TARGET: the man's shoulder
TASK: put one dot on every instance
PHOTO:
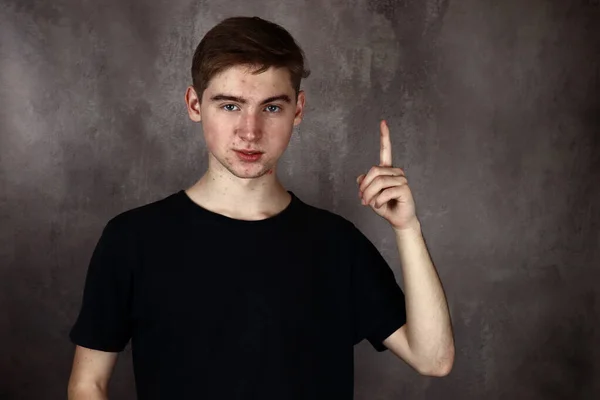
(324, 219)
(146, 215)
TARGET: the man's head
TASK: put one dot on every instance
(246, 76)
(247, 41)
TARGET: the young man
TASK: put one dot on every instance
(235, 288)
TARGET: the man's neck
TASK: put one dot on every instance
(240, 200)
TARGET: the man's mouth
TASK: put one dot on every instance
(249, 152)
(248, 156)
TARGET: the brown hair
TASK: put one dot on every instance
(250, 41)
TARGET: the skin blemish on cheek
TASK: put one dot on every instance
(270, 172)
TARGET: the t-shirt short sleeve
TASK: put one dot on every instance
(104, 321)
(378, 301)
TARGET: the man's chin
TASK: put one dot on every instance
(258, 173)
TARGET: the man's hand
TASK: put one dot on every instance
(386, 190)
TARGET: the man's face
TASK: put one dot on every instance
(243, 111)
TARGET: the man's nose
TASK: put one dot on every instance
(250, 127)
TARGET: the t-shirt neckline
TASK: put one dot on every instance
(223, 219)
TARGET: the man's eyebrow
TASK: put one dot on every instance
(225, 97)
(283, 97)
(221, 97)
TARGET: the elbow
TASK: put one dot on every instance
(439, 371)
(440, 366)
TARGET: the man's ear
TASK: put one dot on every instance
(299, 107)
(193, 102)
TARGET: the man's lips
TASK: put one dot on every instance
(249, 157)
(249, 151)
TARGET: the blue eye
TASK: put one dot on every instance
(273, 109)
(229, 107)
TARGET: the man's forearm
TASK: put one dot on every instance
(429, 329)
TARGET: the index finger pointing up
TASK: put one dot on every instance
(385, 153)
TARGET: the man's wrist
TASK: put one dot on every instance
(414, 227)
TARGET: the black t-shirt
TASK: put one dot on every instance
(219, 308)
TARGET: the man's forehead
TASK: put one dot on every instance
(241, 81)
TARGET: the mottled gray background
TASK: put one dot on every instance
(494, 113)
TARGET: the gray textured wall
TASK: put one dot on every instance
(494, 112)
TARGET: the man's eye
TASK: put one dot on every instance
(229, 107)
(273, 109)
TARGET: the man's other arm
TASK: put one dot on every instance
(426, 342)
(90, 374)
